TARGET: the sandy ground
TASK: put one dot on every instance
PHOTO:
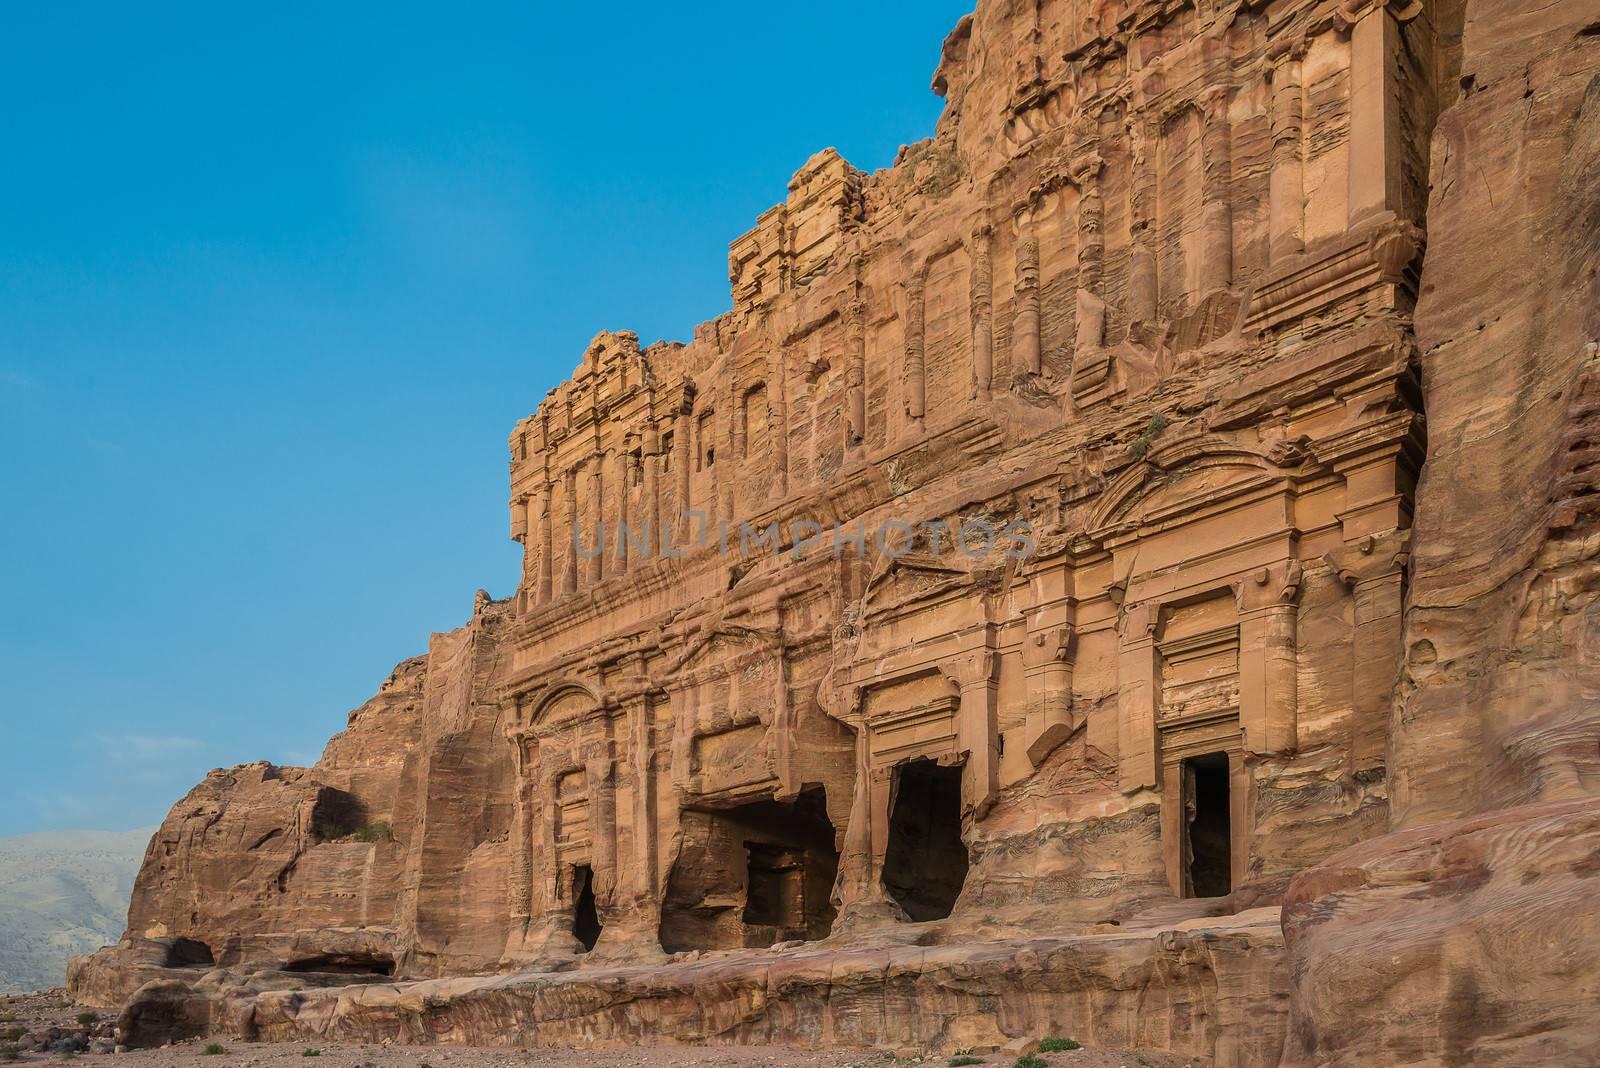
(39, 1012)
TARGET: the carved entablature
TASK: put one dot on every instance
(1145, 291)
(727, 687)
(799, 238)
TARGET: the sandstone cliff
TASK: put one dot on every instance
(1150, 294)
(1474, 940)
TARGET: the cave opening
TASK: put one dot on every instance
(188, 953)
(752, 875)
(585, 913)
(1208, 829)
(343, 964)
(925, 865)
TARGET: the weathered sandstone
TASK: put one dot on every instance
(774, 743)
(1473, 941)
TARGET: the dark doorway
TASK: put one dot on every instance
(1209, 833)
(188, 952)
(585, 917)
(925, 865)
(343, 964)
(752, 875)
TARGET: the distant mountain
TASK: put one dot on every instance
(62, 893)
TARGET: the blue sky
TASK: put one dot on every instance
(275, 282)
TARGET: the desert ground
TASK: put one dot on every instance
(48, 1016)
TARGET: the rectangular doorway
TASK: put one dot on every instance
(1208, 826)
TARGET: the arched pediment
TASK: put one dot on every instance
(1171, 472)
(562, 699)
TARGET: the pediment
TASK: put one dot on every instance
(721, 642)
(911, 577)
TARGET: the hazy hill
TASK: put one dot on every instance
(62, 893)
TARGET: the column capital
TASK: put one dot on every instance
(1402, 10)
(1277, 586)
(971, 670)
(1374, 557)
(1138, 622)
(1052, 646)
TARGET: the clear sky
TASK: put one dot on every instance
(275, 282)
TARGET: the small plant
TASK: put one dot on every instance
(1056, 1045)
(1147, 437)
(312, 1053)
(332, 831)
(1029, 1060)
(373, 832)
(6, 1017)
(960, 1060)
(11, 1034)
(214, 1049)
(87, 1019)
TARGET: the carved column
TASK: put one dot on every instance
(642, 756)
(727, 470)
(1286, 187)
(982, 317)
(594, 525)
(1374, 569)
(543, 583)
(778, 421)
(521, 507)
(519, 519)
(1026, 355)
(1268, 706)
(1142, 292)
(1216, 265)
(1376, 140)
(1138, 691)
(547, 882)
(600, 782)
(520, 888)
(655, 535)
(622, 475)
(741, 427)
(977, 727)
(1091, 254)
(866, 836)
(531, 559)
(1047, 668)
(913, 376)
(855, 421)
(569, 574)
(681, 523)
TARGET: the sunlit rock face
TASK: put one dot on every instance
(1023, 583)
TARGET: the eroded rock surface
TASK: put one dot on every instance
(975, 631)
(1489, 951)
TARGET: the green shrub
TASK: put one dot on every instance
(963, 1059)
(1142, 443)
(312, 1053)
(6, 1017)
(1029, 1060)
(87, 1019)
(215, 1049)
(330, 831)
(1056, 1045)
